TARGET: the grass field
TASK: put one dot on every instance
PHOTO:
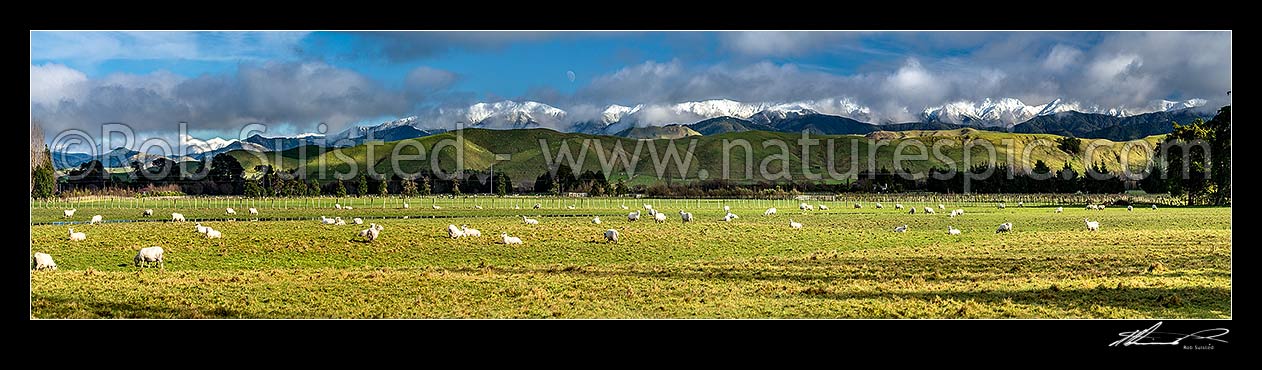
(845, 263)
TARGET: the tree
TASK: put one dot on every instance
(425, 188)
(1188, 155)
(44, 181)
(501, 183)
(1220, 155)
(253, 189)
(362, 187)
(409, 188)
(543, 183)
(383, 187)
(313, 188)
(455, 185)
(225, 168)
(1069, 144)
(340, 189)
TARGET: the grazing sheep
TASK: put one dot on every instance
(437, 206)
(213, 234)
(357, 221)
(823, 207)
(1060, 209)
(596, 220)
(727, 208)
(254, 211)
(898, 206)
(1002, 206)
(624, 206)
(929, 210)
(879, 206)
(327, 221)
(405, 205)
(569, 207)
(686, 216)
(912, 211)
(68, 213)
(529, 221)
(1130, 208)
(633, 216)
(769, 212)
(149, 255)
(472, 233)
(42, 261)
(348, 208)
(95, 220)
(1020, 204)
(941, 206)
(951, 230)
(477, 207)
(1092, 225)
(538, 205)
(648, 207)
(858, 206)
(148, 213)
(177, 217)
(659, 217)
(510, 239)
(653, 212)
(74, 237)
(795, 225)
(729, 217)
(337, 205)
(339, 221)
(805, 207)
(1004, 227)
(368, 231)
(954, 213)
(611, 235)
(454, 232)
(901, 229)
(1154, 207)
(201, 229)
(1100, 207)
(1090, 207)
(231, 211)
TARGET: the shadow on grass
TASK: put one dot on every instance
(95, 308)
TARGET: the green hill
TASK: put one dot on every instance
(528, 159)
(658, 132)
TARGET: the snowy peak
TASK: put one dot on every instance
(1003, 112)
(511, 115)
(195, 145)
(718, 108)
(614, 113)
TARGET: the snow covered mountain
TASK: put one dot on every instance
(512, 115)
(1008, 112)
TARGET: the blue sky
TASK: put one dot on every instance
(219, 81)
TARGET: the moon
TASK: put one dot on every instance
(570, 75)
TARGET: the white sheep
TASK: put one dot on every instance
(369, 230)
(95, 220)
(806, 207)
(1002, 206)
(254, 211)
(405, 205)
(633, 216)
(42, 261)
(327, 221)
(823, 207)
(472, 233)
(951, 230)
(348, 208)
(624, 206)
(213, 234)
(1004, 227)
(1092, 225)
(1130, 208)
(685, 216)
(437, 206)
(569, 207)
(337, 205)
(611, 235)
(729, 217)
(1020, 204)
(148, 213)
(357, 221)
(177, 217)
(68, 213)
(74, 237)
(901, 229)
(653, 212)
(769, 212)
(231, 211)
(338, 221)
(858, 206)
(1154, 207)
(201, 229)
(648, 207)
(659, 217)
(538, 205)
(727, 208)
(1090, 207)
(941, 206)
(795, 225)
(1100, 207)
(477, 207)
(1060, 209)
(510, 239)
(879, 206)
(596, 220)
(454, 232)
(898, 206)
(149, 255)
(529, 221)
(929, 210)
(954, 213)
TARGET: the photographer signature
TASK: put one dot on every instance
(1150, 336)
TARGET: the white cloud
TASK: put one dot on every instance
(52, 83)
(1061, 57)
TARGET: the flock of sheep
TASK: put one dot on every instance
(153, 255)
